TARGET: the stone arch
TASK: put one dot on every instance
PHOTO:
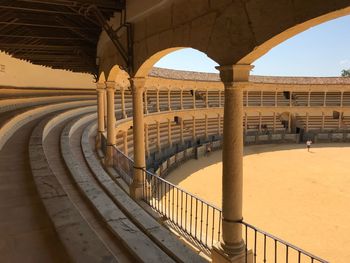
(146, 66)
(101, 78)
(289, 33)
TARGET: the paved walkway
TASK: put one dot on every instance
(26, 234)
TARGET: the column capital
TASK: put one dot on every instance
(138, 83)
(235, 73)
(111, 85)
(100, 86)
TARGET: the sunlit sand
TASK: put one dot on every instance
(302, 197)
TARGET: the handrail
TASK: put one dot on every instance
(200, 222)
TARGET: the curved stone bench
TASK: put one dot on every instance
(159, 234)
(138, 244)
(79, 240)
(19, 120)
(19, 103)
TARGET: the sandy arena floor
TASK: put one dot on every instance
(302, 197)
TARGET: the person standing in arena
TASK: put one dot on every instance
(308, 144)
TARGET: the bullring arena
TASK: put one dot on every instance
(158, 165)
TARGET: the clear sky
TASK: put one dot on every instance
(320, 51)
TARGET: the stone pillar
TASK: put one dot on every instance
(159, 148)
(246, 123)
(101, 90)
(219, 124)
(105, 103)
(219, 98)
(146, 140)
(274, 122)
(158, 106)
(247, 98)
(309, 98)
(276, 98)
(136, 188)
(206, 127)
(260, 121)
(232, 246)
(323, 119)
(324, 99)
(181, 100)
(125, 143)
(340, 120)
(322, 124)
(207, 99)
(193, 128)
(290, 98)
(169, 99)
(289, 122)
(122, 94)
(341, 98)
(307, 122)
(181, 131)
(111, 85)
(170, 141)
(261, 98)
(145, 103)
(194, 99)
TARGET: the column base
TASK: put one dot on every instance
(218, 255)
(136, 191)
(98, 140)
(109, 156)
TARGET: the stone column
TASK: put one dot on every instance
(158, 137)
(274, 122)
(232, 246)
(246, 123)
(276, 98)
(194, 99)
(170, 142)
(260, 121)
(206, 127)
(101, 90)
(308, 98)
(181, 131)
(105, 104)
(146, 140)
(219, 98)
(122, 94)
(219, 124)
(290, 98)
(145, 103)
(169, 99)
(340, 120)
(247, 98)
(307, 122)
(125, 143)
(207, 99)
(325, 99)
(111, 85)
(289, 122)
(341, 98)
(181, 100)
(136, 188)
(323, 119)
(262, 98)
(157, 100)
(193, 128)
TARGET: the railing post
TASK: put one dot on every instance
(101, 90)
(232, 247)
(111, 85)
(136, 187)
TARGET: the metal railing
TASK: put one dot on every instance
(200, 222)
(124, 165)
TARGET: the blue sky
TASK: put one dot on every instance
(320, 51)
